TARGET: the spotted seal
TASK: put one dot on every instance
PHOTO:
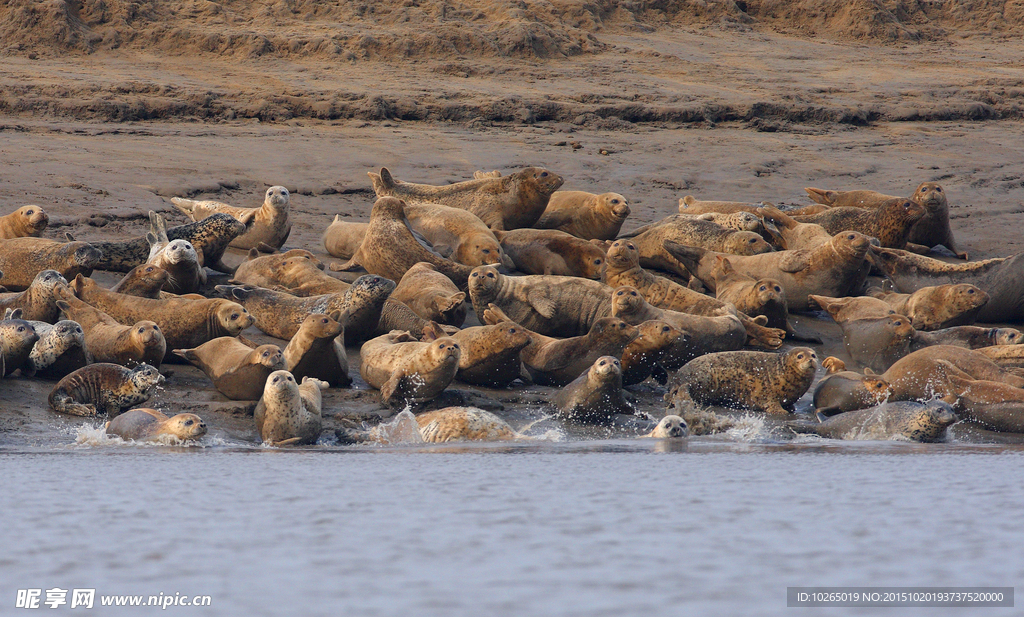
(464, 424)
(269, 224)
(288, 413)
(104, 388)
(151, 425)
(37, 302)
(595, 396)
(642, 355)
(60, 350)
(17, 338)
(698, 233)
(237, 371)
(925, 422)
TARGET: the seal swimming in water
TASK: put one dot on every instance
(925, 422)
(151, 425)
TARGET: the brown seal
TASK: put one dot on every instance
(464, 424)
(754, 297)
(151, 425)
(286, 269)
(237, 371)
(937, 307)
(390, 248)
(109, 341)
(923, 374)
(1006, 356)
(642, 355)
(269, 224)
(279, 314)
(995, 405)
(697, 233)
(595, 396)
(184, 322)
(877, 342)
(60, 350)
(669, 427)
(843, 390)
(490, 354)
(316, 350)
(556, 362)
(17, 339)
(145, 281)
(342, 238)
(456, 234)
(179, 259)
(508, 202)
(999, 278)
(692, 205)
(890, 223)
(547, 305)
(585, 215)
(756, 380)
(971, 337)
(624, 269)
(830, 269)
(37, 302)
(848, 309)
(104, 388)
(407, 371)
(791, 234)
(431, 295)
(924, 422)
(289, 414)
(21, 259)
(24, 222)
(549, 251)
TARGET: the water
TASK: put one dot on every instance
(620, 527)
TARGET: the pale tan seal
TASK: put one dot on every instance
(342, 238)
(112, 342)
(754, 380)
(890, 223)
(669, 427)
(151, 425)
(60, 350)
(1006, 356)
(37, 302)
(24, 222)
(850, 308)
(642, 355)
(754, 297)
(692, 205)
(316, 350)
(995, 405)
(456, 234)
(104, 388)
(830, 269)
(431, 295)
(971, 337)
(185, 323)
(464, 424)
(923, 374)
(289, 414)
(17, 338)
(585, 215)
(877, 343)
(287, 269)
(937, 307)
(736, 221)
(595, 396)
(491, 354)
(21, 259)
(503, 203)
(269, 224)
(390, 248)
(791, 234)
(407, 371)
(549, 251)
(924, 422)
(145, 281)
(237, 371)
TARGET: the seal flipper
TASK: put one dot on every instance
(390, 387)
(349, 266)
(821, 196)
(542, 303)
(554, 220)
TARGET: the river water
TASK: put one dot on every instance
(705, 526)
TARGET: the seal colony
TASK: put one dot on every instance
(504, 282)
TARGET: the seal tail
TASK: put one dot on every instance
(821, 196)
(494, 315)
(186, 206)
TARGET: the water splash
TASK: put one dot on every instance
(90, 436)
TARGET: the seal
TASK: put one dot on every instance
(924, 374)
(37, 302)
(669, 427)
(288, 269)
(697, 233)
(890, 222)
(17, 338)
(279, 314)
(995, 405)
(692, 205)
(829, 270)
(151, 425)
(848, 309)
(456, 234)
(999, 278)
(145, 281)
(104, 388)
(316, 351)
(503, 203)
(1006, 356)
(491, 354)
(937, 307)
(841, 390)
(464, 424)
(26, 221)
(237, 371)
(407, 371)
(184, 322)
(22, 259)
(111, 342)
(342, 238)
(210, 237)
(736, 221)
(548, 305)
(924, 422)
(60, 350)
(877, 342)
(754, 297)
(624, 269)
(585, 215)
(269, 224)
(549, 251)
(288, 414)
(932, 230)
(431, 295)
(181, 262)
(557, 362)
(971, 337)
(792, 234)
(390, 248)
(642, 355)
(754, 380)
(596, 396)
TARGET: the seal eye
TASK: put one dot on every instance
(29, 213)
(441, 346)
(511, 330)
(156, 328)
(970, 292)
(276, 379)
(234, 316)
(778, 289)
(618, 293)
(616, 363)
(752, 240)
(666, 329)
(189, 422)
(266, 353)
(544, 174)
(938, 189)
(597, 262)
(487, 251)
(141, 330)
(762, 288)
(490, 275)
(632, 293)
(324, 321)
(21, 328)
(631, 247)
(603, 363)
(615, 202)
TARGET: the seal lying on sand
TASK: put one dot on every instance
(585, 215)
(842, 390)
(24, 222)
(237, 371)
(104, 388)
(269, 224)
(549, 251)
(22, 259)
(406, 370)
(109, 341)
